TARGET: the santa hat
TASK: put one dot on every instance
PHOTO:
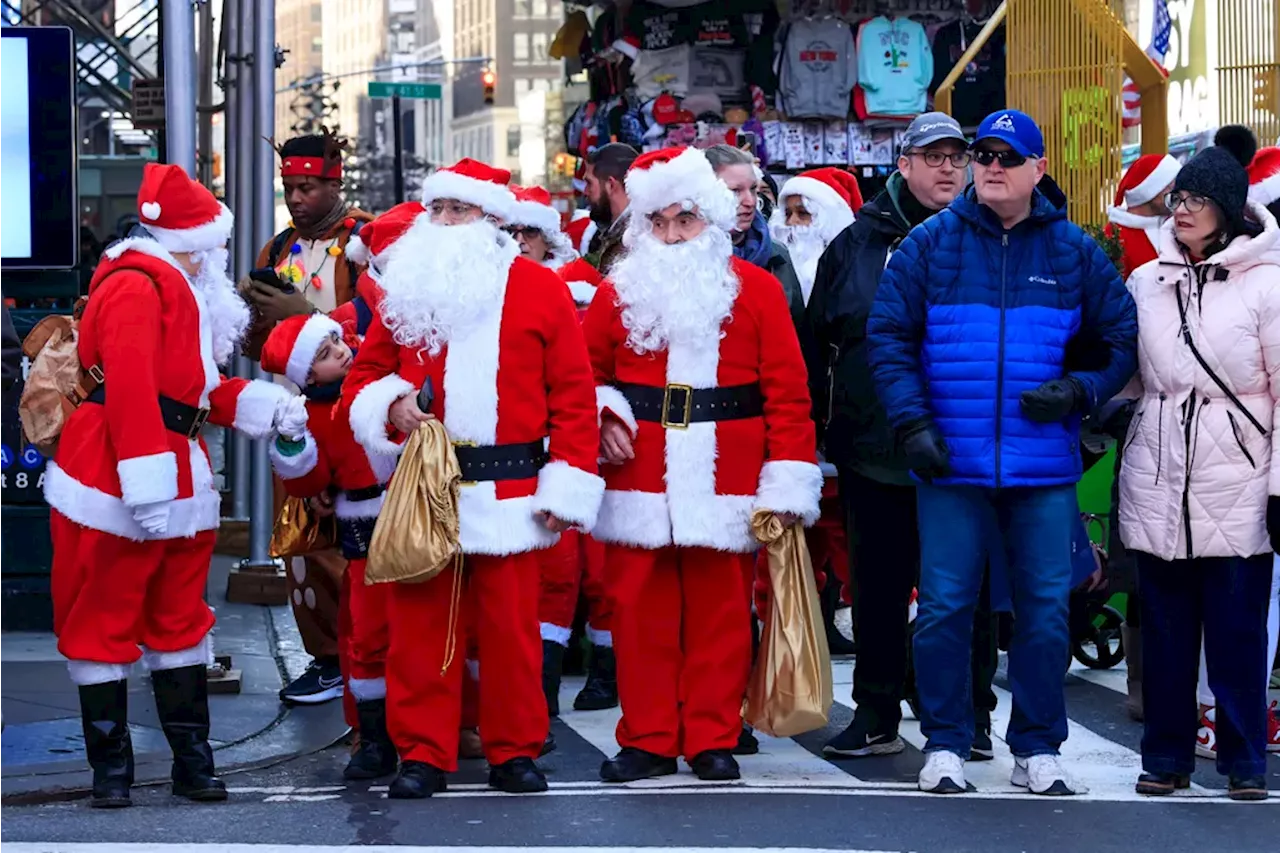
(374, 237)
(1145, 179)
(1264, 176)
(581, 230)
(659, 179)
(471, 182)
(582, 278)
(180, 213)
(832, 194)
(291, 347)
(532, 208)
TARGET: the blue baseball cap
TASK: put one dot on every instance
(1016, 128)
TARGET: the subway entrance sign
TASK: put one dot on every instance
(427, 91)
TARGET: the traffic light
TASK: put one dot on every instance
(488, 79)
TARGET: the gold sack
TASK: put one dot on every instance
(299, 530)
(416, 536)
(790, 690)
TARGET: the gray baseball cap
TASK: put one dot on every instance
(928, 128)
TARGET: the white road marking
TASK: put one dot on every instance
(113, 847)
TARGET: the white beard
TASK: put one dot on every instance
(678, 293)
(440, 279)
(228, 312)
(806, 245)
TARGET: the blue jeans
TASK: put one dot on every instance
(1035, 527)
(1227, 597)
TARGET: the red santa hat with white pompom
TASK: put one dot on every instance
(1264, 176)
(377, 236)
(291, 347)
(181, 214)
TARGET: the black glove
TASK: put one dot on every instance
(925, 451)
(1273, 522)
(1054, 400)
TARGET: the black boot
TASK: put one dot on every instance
(104, 714)
(830, 598)
(601, 690)
(182, 702)
(715, 765)
(375, 755)
(632, 764)
(552, 664)
(417, 781)
(518, 776)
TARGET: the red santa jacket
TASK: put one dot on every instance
(520, 375)
(149, 330)
(1139, 236)
(697, 486)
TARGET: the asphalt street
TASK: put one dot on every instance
(790, 798)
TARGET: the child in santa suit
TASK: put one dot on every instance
(1140, 208)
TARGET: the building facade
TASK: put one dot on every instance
(300, 32)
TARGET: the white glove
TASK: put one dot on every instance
(291, 418)
(154, 518)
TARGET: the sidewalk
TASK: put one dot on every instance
(42, 748)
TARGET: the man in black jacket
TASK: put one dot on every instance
(875, 483)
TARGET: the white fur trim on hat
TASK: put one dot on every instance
(357, 252)
(530, 213)
(1151, 186)
(1125, 217)
(313, 333)
(686, 177)
(582, 291)
(1265, 191)
(202, 238)
(833, 213)
(494, 199)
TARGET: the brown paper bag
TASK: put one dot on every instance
(416, 536)
(299, 530)
(790, 690)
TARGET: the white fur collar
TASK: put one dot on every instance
(1122, 216)
(144, 246)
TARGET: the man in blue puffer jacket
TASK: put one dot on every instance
(967, 342)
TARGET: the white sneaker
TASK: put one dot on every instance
(1042, 774)
(943, 773)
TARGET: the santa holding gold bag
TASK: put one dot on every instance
(498, 339)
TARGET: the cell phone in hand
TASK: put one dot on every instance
(747, 140)
(269, 277)
(426, 396)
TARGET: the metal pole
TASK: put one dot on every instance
(179, 34)
(263, 194)
(204, 118)
(239, 104)
(398, 148)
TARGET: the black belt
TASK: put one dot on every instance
(177, 417)
(490, 462)
(354, 536)
(677, 406)
(368, 493)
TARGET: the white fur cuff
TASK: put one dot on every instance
(256, 407)
(569, 493)
(148, 479)
(787, 486)
(368, 689)
(369, 413)
(200, 653)
(86, 673)
(300, 464)
(611, 400)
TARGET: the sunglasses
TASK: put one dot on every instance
(524, 231)
(1009, 159)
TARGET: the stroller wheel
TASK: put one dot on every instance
(1101, 646)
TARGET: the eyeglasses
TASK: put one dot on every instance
(525, 231)
(1193, 203)
(456, 209)
(1009, 159)
(934, 159)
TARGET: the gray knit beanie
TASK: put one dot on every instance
(1218, 173)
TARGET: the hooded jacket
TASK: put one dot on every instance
(1197, 466)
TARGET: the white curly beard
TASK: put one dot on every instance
(228, 312)
(805, 243)
(679, 293)
(437, 279)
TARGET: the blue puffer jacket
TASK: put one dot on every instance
(968, 316)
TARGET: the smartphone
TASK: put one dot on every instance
(269, 277)
(426, 396)
(747, 140)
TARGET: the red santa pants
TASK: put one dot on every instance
(575, 564)
(682, 637)
(112, 597)
(424, 697)
(367, 635)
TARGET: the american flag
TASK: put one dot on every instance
(1160, 29)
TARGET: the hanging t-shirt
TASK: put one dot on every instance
(650, 27)
(981, 89)
(895, 65)
(817, 68)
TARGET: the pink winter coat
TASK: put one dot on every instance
(1197, 470)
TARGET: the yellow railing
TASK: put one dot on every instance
(1248, 66)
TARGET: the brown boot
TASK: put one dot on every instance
(1132, 640)
(469, 744)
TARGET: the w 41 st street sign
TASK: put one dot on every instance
(428, 91)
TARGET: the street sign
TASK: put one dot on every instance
(429, 91)
(148, 104)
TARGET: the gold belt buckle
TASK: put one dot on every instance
(683, 423)
(202, 415)
(461, 443)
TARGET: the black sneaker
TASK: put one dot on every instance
(856, 742)
(982, 748)
(321, 682)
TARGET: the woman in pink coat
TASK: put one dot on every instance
(1198, 489)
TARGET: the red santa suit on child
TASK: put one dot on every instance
(690, 357)
(497, 337)
(1145, 180)
(135, 511)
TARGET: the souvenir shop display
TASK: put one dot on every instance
(815, 82)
